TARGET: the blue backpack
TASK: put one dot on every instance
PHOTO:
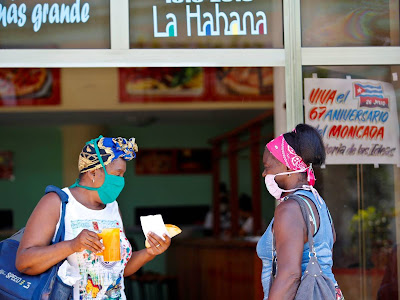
(46, 286)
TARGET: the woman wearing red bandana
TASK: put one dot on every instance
(288, 162)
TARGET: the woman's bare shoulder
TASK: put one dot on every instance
(288, 216)
(43, 220)
(287, 208)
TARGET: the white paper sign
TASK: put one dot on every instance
(153, 223)
(356, 118)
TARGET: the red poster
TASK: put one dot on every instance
(29, 86)
(6, 165)
(174, 161)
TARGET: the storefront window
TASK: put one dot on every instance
(60, 24)
(208, 24)
(350, 23)
(365, 211)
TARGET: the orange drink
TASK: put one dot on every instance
(111, 243)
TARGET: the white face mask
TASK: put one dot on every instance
(273, 188)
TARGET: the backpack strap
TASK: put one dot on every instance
(312, 214)
(307, 219)
(64, 200)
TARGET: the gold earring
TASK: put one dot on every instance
(93, 180)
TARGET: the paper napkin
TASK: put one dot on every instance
(153, 223)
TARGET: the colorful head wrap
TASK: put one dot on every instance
(109, 148)
(282, 151)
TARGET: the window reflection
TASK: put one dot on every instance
(350, 23)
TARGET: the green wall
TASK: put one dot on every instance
(37, 157)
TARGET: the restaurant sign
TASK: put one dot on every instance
(60, 13)
(214, 22)
(356, 118)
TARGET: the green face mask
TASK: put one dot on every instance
(112, 185)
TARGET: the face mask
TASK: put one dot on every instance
(112, 186)
(273, 188)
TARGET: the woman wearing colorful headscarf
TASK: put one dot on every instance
(91, 208)
(288, 161)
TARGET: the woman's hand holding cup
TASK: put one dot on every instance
(88, 240)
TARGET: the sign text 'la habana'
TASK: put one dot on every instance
(211, 23)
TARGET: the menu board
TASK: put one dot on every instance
(193, 84)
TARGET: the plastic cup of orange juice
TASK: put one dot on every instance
(111, 243)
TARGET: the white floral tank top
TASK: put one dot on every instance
(100, 280)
